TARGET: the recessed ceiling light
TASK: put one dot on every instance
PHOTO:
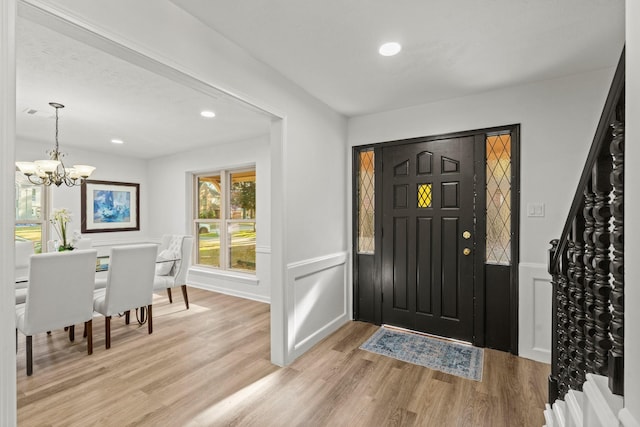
(207, 114)
(390, 49)
(117, 141)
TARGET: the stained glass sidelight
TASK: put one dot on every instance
(498, 250)
(366, 203)
(424, 195)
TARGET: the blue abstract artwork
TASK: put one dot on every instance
(111, 206)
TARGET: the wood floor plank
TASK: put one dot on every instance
(209, 366)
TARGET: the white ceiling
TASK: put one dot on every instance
(451, 48)
(106, 98)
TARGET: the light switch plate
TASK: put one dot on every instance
(535, 210)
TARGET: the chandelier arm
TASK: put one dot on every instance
(42, 181)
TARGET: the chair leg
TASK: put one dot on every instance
(127, 317)
(72, 333)
(169, 293)
(149, 319)
(184, 294)
(29, 356)
(107, 332)
(88, 330)
(84, 330)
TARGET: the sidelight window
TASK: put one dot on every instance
(366, 202)
(498, 164)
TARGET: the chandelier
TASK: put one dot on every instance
(53, 171)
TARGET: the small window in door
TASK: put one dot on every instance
(498, 249)
(366, 202)
(424, 195)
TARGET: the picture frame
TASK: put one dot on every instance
(109, 206)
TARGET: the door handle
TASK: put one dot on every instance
(466, 251)
(466, 235)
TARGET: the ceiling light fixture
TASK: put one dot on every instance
(52, 171)
(117, 141)
(390, 49)
(208, 114)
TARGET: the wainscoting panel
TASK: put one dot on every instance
(256, 287)
(535, 312)
(320, 295)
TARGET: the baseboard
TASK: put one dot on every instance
(304, 345)
(227, 291)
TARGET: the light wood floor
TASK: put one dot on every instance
(209, 366)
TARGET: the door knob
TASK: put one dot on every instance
(466, 251)
(466, 235)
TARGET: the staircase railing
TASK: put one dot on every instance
(587, 263)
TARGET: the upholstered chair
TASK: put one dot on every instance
(60, 294)
(171, 274)
(23, 252)
(83, 243)
(129, 284)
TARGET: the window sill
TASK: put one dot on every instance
(234, 276)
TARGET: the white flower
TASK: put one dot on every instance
(59, 219)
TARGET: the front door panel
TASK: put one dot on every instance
(427, 198)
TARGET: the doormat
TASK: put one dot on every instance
(453, 358)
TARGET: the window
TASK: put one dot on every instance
(366, 202)
(30, 212)
(498, 165)
(225, 220)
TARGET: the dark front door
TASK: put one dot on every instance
(428, 236)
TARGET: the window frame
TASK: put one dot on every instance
(223, 222)
(44, 208)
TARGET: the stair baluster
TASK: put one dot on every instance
(616, 365)
(586, 274)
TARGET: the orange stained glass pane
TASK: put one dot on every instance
(366, 202)
(498, 170)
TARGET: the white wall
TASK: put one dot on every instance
(108, 168)
(309, 163)
(170, 198)
(7, 211)
(631, 413)
(558, 119)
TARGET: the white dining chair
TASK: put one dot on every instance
(129, 284)
(176, 247)
(60, 294)
(23, 252)
(83, 243)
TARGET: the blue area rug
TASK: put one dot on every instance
(445, 356)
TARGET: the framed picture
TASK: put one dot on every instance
(109, 206)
